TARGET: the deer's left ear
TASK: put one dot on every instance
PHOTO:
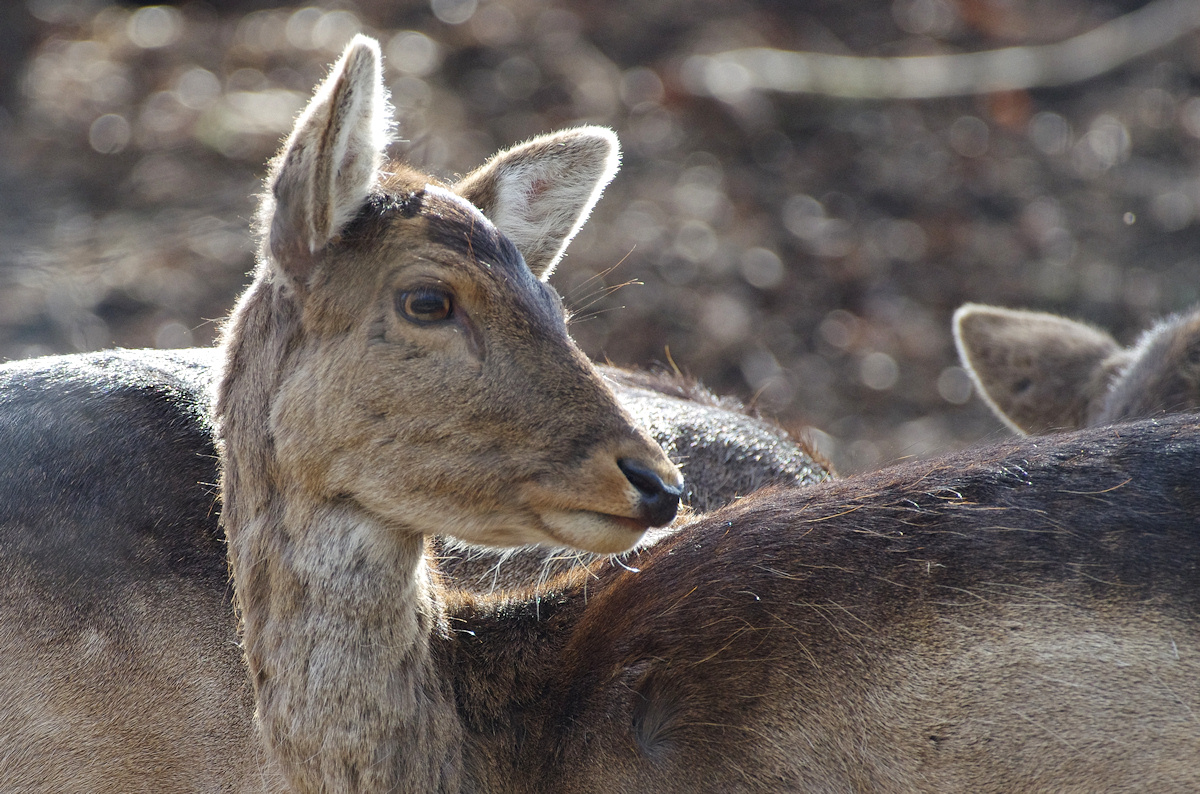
(541, 192)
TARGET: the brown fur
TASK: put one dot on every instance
(83, 709)
(1018, 618)
(1039, 372)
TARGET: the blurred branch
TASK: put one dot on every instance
(1077, 59)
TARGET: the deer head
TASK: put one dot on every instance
(1041, 372)
(422, 366)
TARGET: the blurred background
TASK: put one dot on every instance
(802, 252)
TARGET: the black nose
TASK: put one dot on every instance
(659, 500)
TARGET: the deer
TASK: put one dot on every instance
(1040, 372)
(1017, 616)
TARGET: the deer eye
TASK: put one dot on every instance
(424, 306)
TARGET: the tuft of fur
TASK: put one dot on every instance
(1160, 374)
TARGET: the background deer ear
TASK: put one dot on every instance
(541, 192)
(1037, 372)
(330, 162)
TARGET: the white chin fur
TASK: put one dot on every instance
(576, 529)
(591, 532)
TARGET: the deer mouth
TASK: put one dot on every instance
(632, 524)
(589, 530)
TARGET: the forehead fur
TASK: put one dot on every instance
(459, 225)
(450, 221)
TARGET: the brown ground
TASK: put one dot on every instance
(807, 252)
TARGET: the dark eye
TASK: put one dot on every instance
(425, 305)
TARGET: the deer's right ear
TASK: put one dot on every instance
(1037, 371)
(331, 160)
(541, 192)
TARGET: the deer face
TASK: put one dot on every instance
(429, 377)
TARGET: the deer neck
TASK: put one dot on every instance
(338, 611)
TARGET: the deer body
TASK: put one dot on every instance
(1016, 618)
(986, 622)
(118, 639)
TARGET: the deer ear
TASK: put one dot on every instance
(541, 192)
(1037, 372)
(330, 162)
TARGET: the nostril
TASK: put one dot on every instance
(659, 500)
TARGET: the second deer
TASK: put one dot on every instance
(1040, 372)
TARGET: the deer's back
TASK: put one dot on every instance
(117, 630)
(108, 467)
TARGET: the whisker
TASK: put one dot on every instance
(599, 275)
